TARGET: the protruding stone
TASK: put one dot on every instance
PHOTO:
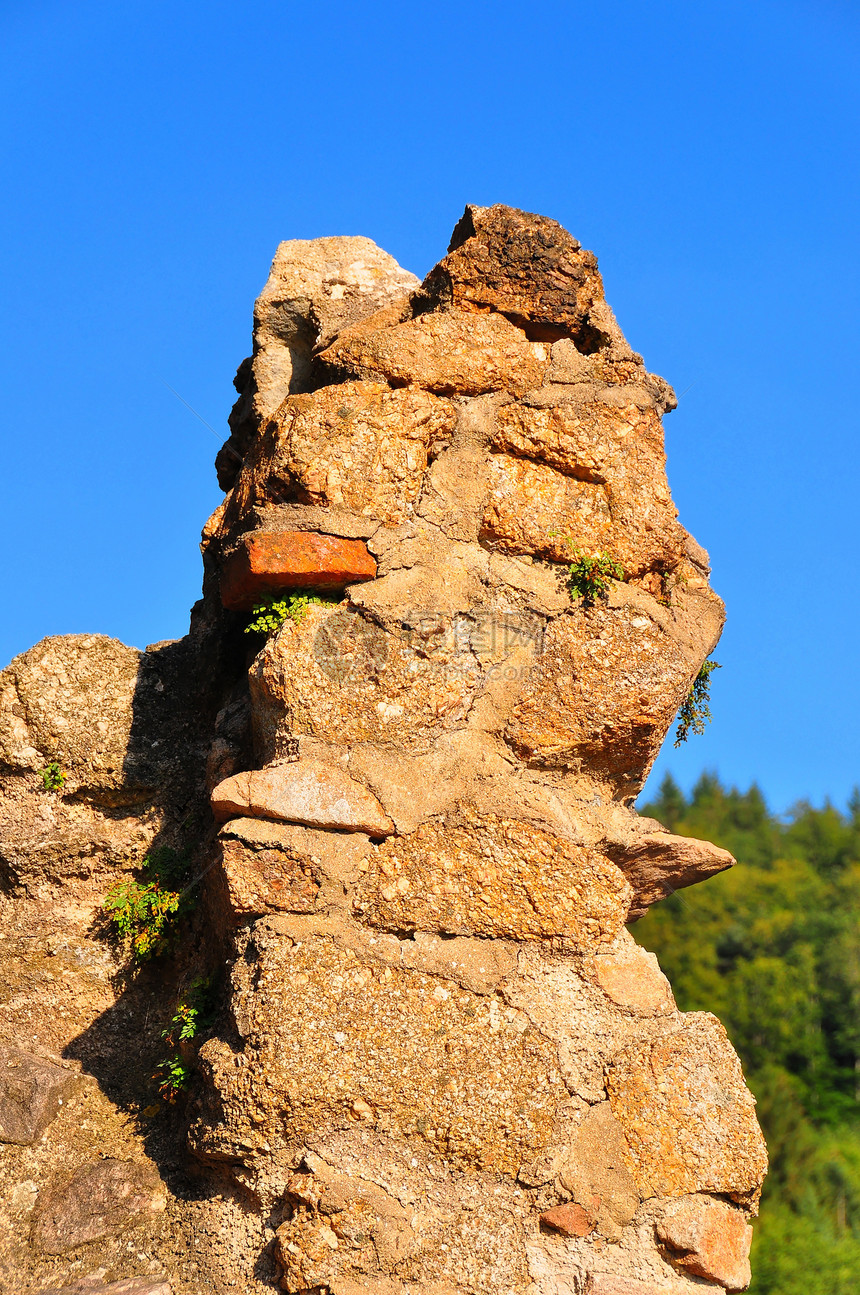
(98, 1201)
(269, 562)
(657, 864)
(688, 1117)
(709, 1239)
(308, 791)
(32, 1091)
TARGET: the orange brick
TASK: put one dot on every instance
(570, 1220)
(268, 562)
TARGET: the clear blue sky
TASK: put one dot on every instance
(154, 155)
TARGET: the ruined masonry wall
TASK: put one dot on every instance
(444, 1066)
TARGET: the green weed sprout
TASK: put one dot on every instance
(53, 777)
(272, 614)
(590, 575)
(695, 712)
(173, 1076)
(174, 1072)
(144, 912)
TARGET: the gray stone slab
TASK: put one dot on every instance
(31, 1092)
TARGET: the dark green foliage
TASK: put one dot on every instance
(173, 1075)
(272, 614)
(53, 778)
(773, 948)
(590, 575)
(144, 912)
(695, 712)
(192, 1014)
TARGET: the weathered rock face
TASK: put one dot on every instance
(443, 1066)
(476, 434)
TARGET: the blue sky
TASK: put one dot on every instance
(155, 154)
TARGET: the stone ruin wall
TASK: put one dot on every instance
(442, 1065)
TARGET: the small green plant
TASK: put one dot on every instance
(53, 777)
(273, 613)
(191, 1014)
(173, 1075)
(590, 575)
(695, 712)
(144, 912)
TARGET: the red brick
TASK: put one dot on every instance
(269, 562)
(569, 1220)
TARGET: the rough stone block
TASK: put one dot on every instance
(333, 1213)
(269, 562)
(631, 978)
(687, 1115)
(315, 288)
(308, 791)
(455, 1073)
(596, 1175)
(709, 1239)
(110, 716)
(358, 446)
(569, 1220)
(602, 694)
(610, 1284)
(531, 508)
(267, 880)
(525, 266)
(452, 352)
(342, 678)
(493, 877)
(31, 1092)
(98, 1201)
(618, 451)
(70, 699)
